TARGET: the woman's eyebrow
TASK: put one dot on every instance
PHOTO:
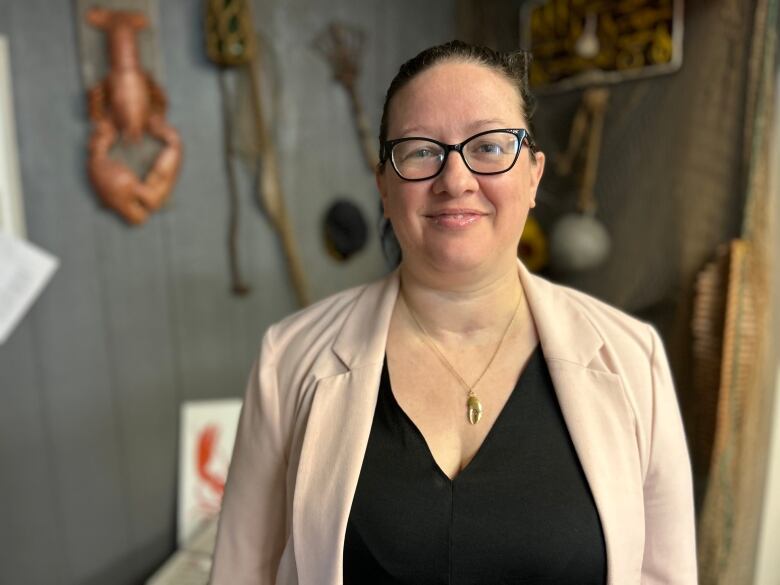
(486, 122)
(419, 130)
(414, 130)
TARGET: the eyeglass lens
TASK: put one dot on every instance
(494, 152)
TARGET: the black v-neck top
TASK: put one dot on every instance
(520, 512)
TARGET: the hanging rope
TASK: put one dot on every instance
(230, 42)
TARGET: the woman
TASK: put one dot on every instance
(460, 421)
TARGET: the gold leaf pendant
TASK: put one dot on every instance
(474, 408)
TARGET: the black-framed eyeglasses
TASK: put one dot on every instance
(491, 152)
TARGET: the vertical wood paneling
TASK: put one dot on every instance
(326, 143)
(29, 498)
(138, 320)
(133, 280)
(32, 522)
(209, 354)
(69, 320)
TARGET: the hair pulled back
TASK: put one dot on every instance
(512, 66)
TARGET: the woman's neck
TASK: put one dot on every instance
(467, 309)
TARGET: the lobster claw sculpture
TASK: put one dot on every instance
(128, 103)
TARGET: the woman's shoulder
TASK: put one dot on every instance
(604, 312)
(319, 320)
(616, 327)
(322, 312)
(621, 345)
(308, 332)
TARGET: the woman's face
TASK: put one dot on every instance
(459, 221)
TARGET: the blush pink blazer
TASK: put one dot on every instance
(310, 403)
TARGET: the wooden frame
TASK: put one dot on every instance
(11, 205)
(646, 40)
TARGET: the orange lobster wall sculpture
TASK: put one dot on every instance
(128, 103)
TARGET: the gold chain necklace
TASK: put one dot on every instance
(473, 405)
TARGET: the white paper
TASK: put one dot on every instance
(24, 271)
(208, 431)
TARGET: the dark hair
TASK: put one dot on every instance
(513, 66)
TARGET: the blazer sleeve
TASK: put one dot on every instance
(250, 538)
(670, 538)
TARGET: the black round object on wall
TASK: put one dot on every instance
(345, 229)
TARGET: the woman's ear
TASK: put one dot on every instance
(535, 175)
(381, 185)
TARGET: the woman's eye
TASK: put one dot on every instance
(420, 154)
(489, 148)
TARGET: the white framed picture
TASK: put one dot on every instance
(207, 433)
(11, 204)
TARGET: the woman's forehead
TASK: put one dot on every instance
(458, 95)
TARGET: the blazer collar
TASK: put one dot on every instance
(564, 332)
(363, 336)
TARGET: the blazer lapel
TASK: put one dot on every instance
(589, 401)
(337, 431)
(599, 420)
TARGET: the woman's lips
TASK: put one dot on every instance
(455, 218)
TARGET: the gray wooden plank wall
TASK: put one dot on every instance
(138, 320)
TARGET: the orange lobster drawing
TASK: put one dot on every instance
(212, 484)
(129, 103)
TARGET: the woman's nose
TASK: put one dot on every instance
(455, 178)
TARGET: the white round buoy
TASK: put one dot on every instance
(578, 242)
